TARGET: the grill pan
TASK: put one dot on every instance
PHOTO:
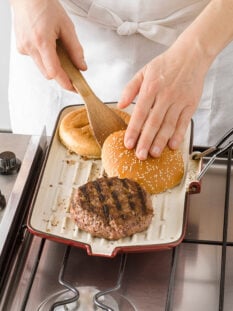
(63, 171)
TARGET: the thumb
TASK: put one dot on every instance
(75, 50)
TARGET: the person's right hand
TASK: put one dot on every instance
(38, 24)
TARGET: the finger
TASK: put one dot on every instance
(141, 110)
(28, 49)
(22, 49)
(53, 67)
(74, 48)
(166, 130)
(130, 91)
(181, 128)
(150, 129)
(134, 128)
(37, 59)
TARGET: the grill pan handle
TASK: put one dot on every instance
(217, 149)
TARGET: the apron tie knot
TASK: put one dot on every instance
(127, 28)
(163, 31)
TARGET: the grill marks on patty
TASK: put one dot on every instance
(111, 207)
(112, 196)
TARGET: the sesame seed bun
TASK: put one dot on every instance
(77, 136)
(156, 175)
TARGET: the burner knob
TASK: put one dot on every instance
(9, 164)
(2, 201)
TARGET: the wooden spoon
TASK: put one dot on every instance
(102, 119)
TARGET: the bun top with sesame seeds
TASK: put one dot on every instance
(156, 175)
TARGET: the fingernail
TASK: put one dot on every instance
(129, 143)
(173, 144)
(84, 64)
(156, 151)
(142, 154)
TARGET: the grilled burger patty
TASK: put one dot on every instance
(111, 208)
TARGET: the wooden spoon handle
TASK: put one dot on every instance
(77, 79)
(102, 119)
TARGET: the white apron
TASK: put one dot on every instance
(119, 37)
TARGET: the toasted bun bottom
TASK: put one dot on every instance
(154, 174)
(77, 136)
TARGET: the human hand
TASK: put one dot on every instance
(38, 24)
(169, 89)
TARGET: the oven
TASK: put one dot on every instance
(39, 274)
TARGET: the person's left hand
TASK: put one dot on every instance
(169, 89)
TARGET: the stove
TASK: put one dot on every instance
(38, 274)
(20, 161)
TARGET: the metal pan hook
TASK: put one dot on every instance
(217, 149)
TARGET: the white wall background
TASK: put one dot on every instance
(5, 29)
